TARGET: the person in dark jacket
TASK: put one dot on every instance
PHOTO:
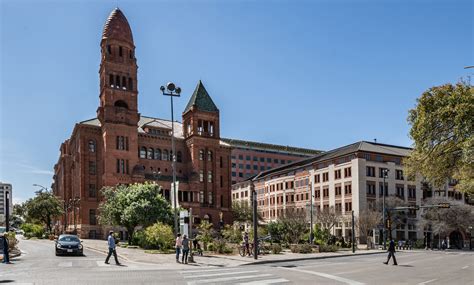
(6, 257)
(112, 245)
(391, 253)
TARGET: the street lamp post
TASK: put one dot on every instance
(42, 187)
(385, 174)
(311, 219)
(173, 91)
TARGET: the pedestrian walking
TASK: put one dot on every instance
(6, 257)
(112, 250)
(246, 243)
(178, 246)
(391, 253)
(185, 244)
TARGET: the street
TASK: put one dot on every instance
(39, 265)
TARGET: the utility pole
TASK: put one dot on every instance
(311, 219)
(384, 234)
(255, 223)
(353, 233)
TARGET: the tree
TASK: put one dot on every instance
(329, 217)
(366, 221)
(43, 208)
(205, 233)
(442, 128)
(242, 212)
(295, 225)
(394, 218)
(134, 205)
(444, 220)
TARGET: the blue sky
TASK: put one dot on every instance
(316, 74)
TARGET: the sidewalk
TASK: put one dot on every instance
(139, 255)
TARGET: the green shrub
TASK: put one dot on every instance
(419, 244)
(159, 236)
(211, 247)
(12, 241)
(232, 234)
(328, 248)
(139, 239)
(33, 230)
(276, 248)
(301, 248)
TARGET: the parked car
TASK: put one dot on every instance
(68, 244)
(2, 230)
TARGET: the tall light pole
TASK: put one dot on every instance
(385, 174)
(42, 187)
(172, 91)
(311, 213)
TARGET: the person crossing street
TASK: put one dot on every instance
(185, 244)
(112, 250)
(391, 253)
(178, 246)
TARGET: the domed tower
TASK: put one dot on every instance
(118, 111)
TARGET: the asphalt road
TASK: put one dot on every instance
(39, 265)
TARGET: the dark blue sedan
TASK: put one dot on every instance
(68, 244)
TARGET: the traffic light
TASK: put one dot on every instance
(444, 205)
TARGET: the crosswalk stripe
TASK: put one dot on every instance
(65, 264)
(227, 279)
(206, 270)
(220, 274)
(266, 281)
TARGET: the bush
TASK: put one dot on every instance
(211, 247)
(232, 234)
(139, 239)
(419, 244)
(276, 248)
(301, 248)
(32, 230)
(328, 248)
(159, 236)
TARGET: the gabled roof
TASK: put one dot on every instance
(201, 100)
(363, 146)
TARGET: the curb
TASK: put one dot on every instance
(308, 258)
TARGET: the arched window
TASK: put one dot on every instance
(124, 82)
(151, 153)
(109, 49)
(143, 152)
(120, 103)
(165, 155)
(92, 146)
(130, 83)
(201, 154)
(111, 80)
(158, 154)
(117, 81)
(209, 155)
(179, 157)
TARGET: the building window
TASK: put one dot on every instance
(209, 176)
(262, 159)
(317, 193)
(325, 192)
(201, 154)
(400, 191)
(120, 143)
(248, 166)
(347, 172)
(221, 162)
(241, 175)
(370, 171)
(143, 152)
(399, 174)
(222, 181)
(179, 156)
(411, 192)
(241, 157)
(348, 206)
(120, 51)
(317, 178)
(151, 153)
(255, 167)
(209, 196)
(338, 207)
(117, 81)
(201, 176)
(247, 157)
(234, 174)
(92, 191)
(338, 190)
(164, 155)
(370, 189)
(109, 49)
(255, 158)
(275, 160)
(92, 217)
(209, 155)
(92, 167)
(269, 160)
(130, 83)
(348, 189)
(325, 176)
(91, 146)
(337, 174)
(158, 154)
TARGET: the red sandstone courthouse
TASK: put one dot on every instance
(121, 146)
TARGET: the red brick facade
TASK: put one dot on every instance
(122, 147)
